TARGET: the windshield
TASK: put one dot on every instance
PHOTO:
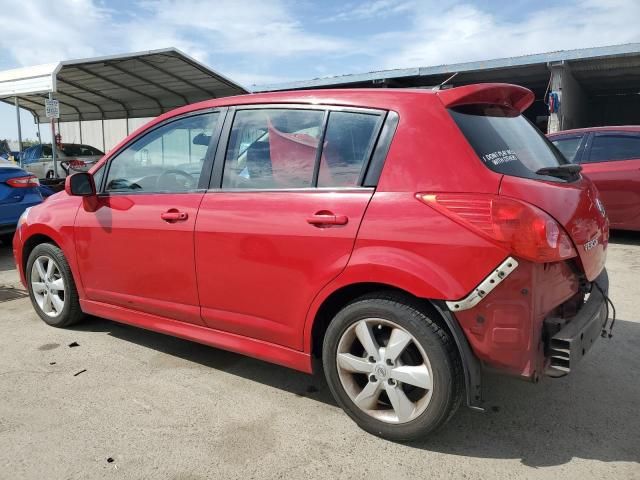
(506, 141)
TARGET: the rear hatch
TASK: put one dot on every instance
(533, 169)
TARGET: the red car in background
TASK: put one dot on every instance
(405, 238)
(610, 157)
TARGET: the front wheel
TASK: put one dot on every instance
(392, 369)
(51, 287)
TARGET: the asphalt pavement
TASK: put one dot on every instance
(105, 400)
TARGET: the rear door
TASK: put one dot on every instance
(282, 215)
(612, 161)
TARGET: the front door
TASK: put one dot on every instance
(135, 246)
(285, 219)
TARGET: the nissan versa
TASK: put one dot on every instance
(405, 238)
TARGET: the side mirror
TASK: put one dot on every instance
(80, 185)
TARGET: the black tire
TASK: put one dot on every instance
(49, 175)
(418, 320)
(71, 312)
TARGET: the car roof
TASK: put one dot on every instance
(382, 98)
(611, 128)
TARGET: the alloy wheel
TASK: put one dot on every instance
(48, 286)
(384, 370)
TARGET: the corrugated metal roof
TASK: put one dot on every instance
(143, 84)
(541, 59)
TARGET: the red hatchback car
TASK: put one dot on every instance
(405, 238)
(610, 157)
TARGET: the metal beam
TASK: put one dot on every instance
(17, 103)
(94, 92)
(175, 77)
(121, 85)
(78, 99)
(142, 79)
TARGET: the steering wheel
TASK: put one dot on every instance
(165, 180)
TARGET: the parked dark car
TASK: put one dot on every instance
(405, 238)
(610, 157)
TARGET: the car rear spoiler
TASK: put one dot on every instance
(492, 93)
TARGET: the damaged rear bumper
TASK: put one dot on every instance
(571, 341)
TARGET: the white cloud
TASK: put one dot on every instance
(465, 32)
(42, 32)
(255, 27)
(374, 9)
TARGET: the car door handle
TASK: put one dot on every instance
(320, 219)
(173, 215)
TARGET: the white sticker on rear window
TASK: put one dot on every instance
(499, 157)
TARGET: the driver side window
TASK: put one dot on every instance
(168, 159)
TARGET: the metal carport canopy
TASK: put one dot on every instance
(142, 84)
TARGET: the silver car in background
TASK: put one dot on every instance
(71, 157)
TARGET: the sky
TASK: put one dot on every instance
(257, 42)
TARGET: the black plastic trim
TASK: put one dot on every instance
(470, 364)
(374, 169)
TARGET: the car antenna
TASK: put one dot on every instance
(438, 87)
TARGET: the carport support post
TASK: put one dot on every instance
(53, 143)
(19, 127)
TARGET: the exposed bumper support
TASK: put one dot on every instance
(487, 285)
(569, 345)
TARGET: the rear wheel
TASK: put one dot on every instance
(391, 367)
(51, 287)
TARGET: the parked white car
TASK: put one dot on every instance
(72, 158)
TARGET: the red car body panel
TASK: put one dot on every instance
(246, 270)
(574, 206)
(619, 185)
(277, 260)
(505, 329)
(125, 231)
(618, 181)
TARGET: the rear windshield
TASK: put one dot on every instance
(506, 141)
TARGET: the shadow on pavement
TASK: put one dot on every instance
(6, 258)
(590, 414)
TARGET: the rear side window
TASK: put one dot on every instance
(282, 148)
(568, 146)
(273, 148)
(607, 148)
(505, 141)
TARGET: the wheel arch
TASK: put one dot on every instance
(332, 302)
(44, 234)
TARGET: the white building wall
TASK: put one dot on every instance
(90, 132)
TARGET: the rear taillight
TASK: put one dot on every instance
(24, 182)
(522, 228)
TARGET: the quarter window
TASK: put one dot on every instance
(167, 159)
(568, 146)
(607, 148)
(347, 144)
